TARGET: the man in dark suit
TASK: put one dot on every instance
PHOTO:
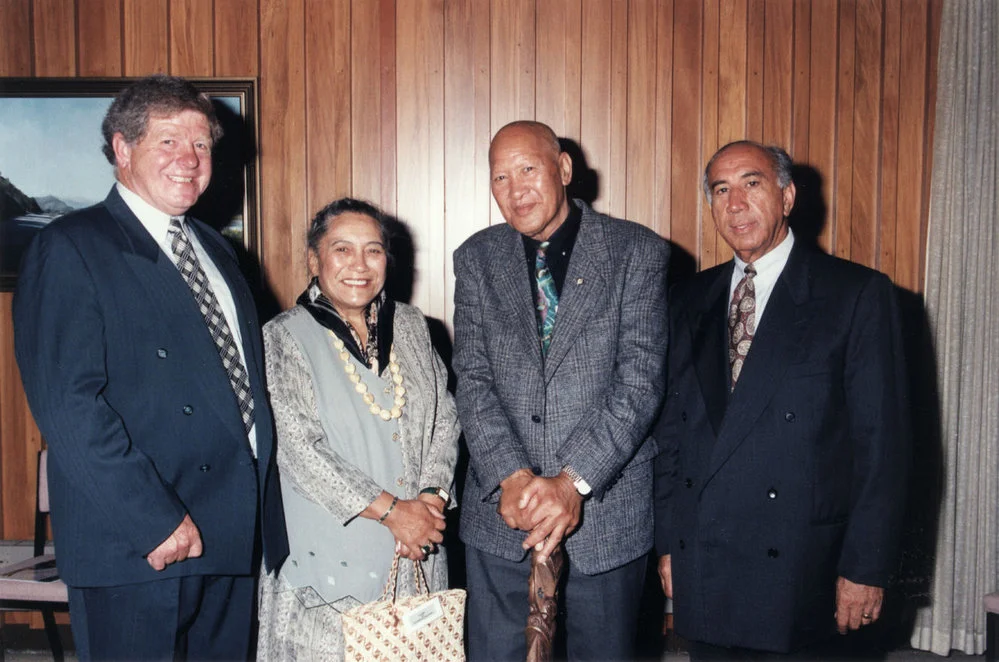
(784, 442)
(560, 340)
(141, 356)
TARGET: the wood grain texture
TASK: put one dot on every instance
(396, 102)
(99, 30)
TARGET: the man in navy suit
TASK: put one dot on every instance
(141, 355)
(784, 440)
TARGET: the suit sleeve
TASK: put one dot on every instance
(304, 456)
(879, 433)
(62, 354)
(607, 438)
(495, 449)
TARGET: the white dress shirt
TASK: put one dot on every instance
(768, 270)
(157, 224)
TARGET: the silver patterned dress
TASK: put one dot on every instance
(335, 458)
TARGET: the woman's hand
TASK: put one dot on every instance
(415, 523)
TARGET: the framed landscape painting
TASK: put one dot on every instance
(51, 160)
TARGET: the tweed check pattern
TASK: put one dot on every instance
(741, 322)
(547, 297)
(194, 275)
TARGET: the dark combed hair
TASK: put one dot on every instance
(778, 157)
(154, 95)
(321, 221)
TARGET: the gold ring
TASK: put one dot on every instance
(866, 617)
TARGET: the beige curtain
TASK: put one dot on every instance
(962, 281)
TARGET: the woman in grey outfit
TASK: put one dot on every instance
(367, 439)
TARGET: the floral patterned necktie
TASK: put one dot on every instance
(741, 322)
(547, 297)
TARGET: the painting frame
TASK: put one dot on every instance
(233, 195)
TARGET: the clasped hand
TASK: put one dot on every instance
(547, 508)
(415, 524)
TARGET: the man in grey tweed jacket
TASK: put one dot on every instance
(559, 436)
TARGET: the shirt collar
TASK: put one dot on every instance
(774, 260)
(156, 222)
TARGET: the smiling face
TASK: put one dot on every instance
(170, 166)
(749, 207)
(350, 261)
(529, 176)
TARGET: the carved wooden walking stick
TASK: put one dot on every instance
(542, 586)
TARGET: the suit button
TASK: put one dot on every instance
(683, 416)
(205, 467)
(688, 483)
(789, 417)
(772, 493)
(773, 553)
(536, 471)
(188, 410)
(683, 545)
(161, 353)
(536, 418)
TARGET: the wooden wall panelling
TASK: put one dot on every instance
(664, 116)
(373, 145)
(16, 45)
(823, 43)
(557, 74)
(867, 129)
(710, 77)
(798, 145)
(466, 128)
(512, 61)
(420, 151)
(887, 218)
(236, 34)
(733, 93)
(99, 30)
(915, 113)
(778, 72)
(641, 113)
(192, 46)
(328, 108)
(145, 28)
(54, 27)
(755, 58)
(840, 195)
(686, 167)
(282, 146)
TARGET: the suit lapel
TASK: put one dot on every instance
(582, 292)
(175, 306)
(778, 339)
(710, 347)
(513, 287)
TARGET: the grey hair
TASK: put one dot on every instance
(320, 224)
(780, 160)
(154, 95)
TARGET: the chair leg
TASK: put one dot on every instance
(52, 632)
(991, 636)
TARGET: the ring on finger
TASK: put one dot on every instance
(426, 549)
(866, 617)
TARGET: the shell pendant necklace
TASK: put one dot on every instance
(395, 371)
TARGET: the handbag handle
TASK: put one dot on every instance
(422, 587)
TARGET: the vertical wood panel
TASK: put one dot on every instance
(282, 143)
(686, 197)
(842, 196)
(755, 58)
(420, 130)
(328, 103)
(192, 49)
(235, 35)
(16, 44)
(641, 117)
(866, 127)
(557, 77)
(664, 115)
(798, 145)
(822, 106)
(512, 60)
(778, 72)
(888, 166)
(144, 28)
(710, 112)
(100, 38)
(54, 25)
(466, 127)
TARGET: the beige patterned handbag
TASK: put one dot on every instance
(427, 626)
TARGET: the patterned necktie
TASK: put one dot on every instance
(547, 298)
(741, 322)
(190, 269)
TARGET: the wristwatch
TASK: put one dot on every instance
(577, 481)
(438, 492)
